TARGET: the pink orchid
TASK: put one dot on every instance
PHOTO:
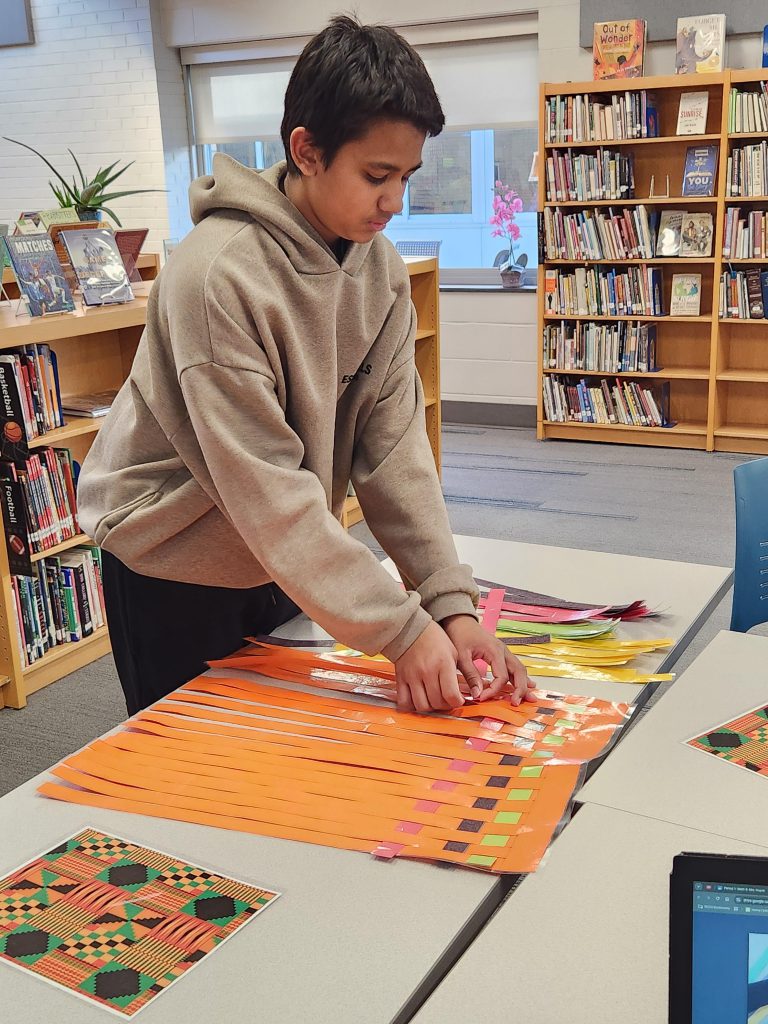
(506, 204)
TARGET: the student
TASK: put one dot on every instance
(276, 365)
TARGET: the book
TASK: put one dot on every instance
(755, 294)
(550, 291)
(686, 295)
(747, 170)
(699, 172)
(15, 526)
(96, 404)
(13, 430)
(129, 243)
(651, 123)
(700, 44)
(58, 215)
(98, 266)
(39, 274)
(692, 113)
(670, 232)
(765, 47)
(764, 287)
(618, 49)
(697, 233)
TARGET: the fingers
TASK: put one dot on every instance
(404, 702)
(472, 677)
(518, 678)
(449, 687)
(412, 696)
(495, 656)
(437, 692)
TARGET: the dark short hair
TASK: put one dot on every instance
(351, 75)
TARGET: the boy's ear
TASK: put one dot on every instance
(305, 153)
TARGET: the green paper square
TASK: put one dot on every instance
(566, 723)
(519, 794)
(532, 772)
(494, 840)
(554, 741)
(540, 753)
(508, 817)
(485, 862)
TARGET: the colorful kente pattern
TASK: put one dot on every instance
(743, 742)
(116, 922)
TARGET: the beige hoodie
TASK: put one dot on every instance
(268, 376)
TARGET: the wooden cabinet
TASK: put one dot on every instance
(425, 294)
(95, 349)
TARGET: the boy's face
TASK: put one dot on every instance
(362, 189)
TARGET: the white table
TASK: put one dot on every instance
(344, 936)
(352, 939)
(652, 772)
(585, 939)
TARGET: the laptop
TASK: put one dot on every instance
(718, 940)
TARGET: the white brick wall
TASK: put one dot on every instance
(173, 122)
(88, 84)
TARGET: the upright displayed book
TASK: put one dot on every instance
(98, 265)
(670, 233)
(692, 113)
(686, 295)
(618, 49)
(700, 169)
(696, 236)
(700, 44)
(39, 274)
(58, 215)
(129, 243)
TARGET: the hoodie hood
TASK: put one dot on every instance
(257, 194)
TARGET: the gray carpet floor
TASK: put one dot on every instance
(499, 483)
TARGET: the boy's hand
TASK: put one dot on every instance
(472, 643)
(426, 674)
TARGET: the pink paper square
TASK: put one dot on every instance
(388, 850)
(411, 827)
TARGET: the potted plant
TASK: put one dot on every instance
(88, 198)
(506, 204)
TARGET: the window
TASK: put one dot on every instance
(258, 154)
(488, 87)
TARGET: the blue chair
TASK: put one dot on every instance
(750, 585)
(413, 248)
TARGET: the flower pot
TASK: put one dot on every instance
(511, 279)
(85, 214)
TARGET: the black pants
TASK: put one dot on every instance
(164, 632)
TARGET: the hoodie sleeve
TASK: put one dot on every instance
(398, 488)
(280, 509)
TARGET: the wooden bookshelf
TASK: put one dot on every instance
(423, 273)
(718, 369)
(95, 350)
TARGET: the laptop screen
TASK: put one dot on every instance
(730, 953)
